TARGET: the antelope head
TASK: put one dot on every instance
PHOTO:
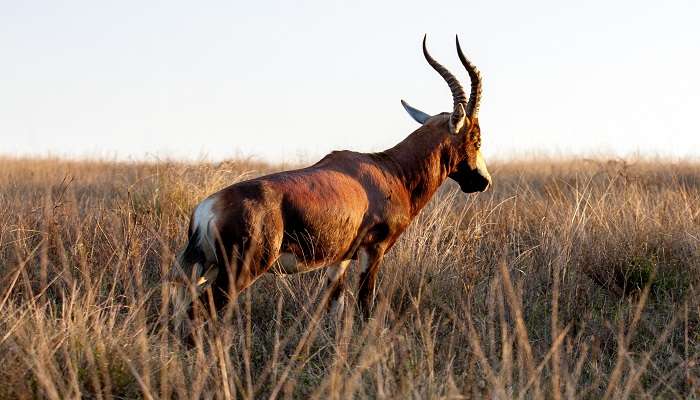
(467, 166)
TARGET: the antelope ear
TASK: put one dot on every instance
(458, 119)
(416, 114)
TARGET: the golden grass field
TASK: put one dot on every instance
(569, 279)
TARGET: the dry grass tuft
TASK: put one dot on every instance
(570, 279)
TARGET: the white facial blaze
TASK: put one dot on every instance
(481, 166)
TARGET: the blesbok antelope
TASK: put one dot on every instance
(348, 206)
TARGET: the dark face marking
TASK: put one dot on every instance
(470, 180)
(471, 173)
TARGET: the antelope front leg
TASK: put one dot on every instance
(369, 261)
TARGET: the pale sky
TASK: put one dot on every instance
(293, 80)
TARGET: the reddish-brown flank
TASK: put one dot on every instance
(347, 206)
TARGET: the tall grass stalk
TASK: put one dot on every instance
(570, 279)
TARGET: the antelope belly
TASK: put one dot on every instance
(288, 263)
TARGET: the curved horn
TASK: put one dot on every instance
(458, 95)
(475, 77)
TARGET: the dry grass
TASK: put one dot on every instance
(571, 279)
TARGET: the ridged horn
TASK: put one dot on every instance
(458, 95)
(475, 77)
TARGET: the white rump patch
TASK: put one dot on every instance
(201, 220)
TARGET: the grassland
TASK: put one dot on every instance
(570, 279)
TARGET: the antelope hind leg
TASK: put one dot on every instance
(369, 261)
(335, 288)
